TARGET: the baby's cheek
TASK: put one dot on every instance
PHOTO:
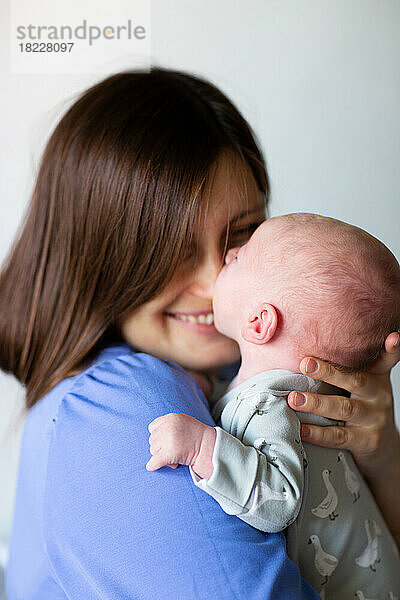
(216, 301)
(218, 315)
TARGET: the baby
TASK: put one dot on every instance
(303, 285)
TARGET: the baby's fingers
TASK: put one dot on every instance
(155, 424)
(156, 462)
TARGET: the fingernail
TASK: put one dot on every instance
(397, 342)
(311, 366)
(299, 399)
(305, 431)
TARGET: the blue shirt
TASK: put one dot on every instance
(91, 523)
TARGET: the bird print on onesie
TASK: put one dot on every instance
(328, 505)
(351, 479)
(339, 538)
(369, 558)
(346, 540)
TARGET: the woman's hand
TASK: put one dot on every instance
(368, 431)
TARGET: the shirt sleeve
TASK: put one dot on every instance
(258, 472)
(113, 530)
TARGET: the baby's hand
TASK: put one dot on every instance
(178, 439)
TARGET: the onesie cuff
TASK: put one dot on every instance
(235, 468)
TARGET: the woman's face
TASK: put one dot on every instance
(178, 324)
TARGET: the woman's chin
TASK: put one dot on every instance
(197, 348)
(219, 355)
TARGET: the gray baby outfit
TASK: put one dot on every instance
(264, 475)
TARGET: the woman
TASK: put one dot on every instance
(105, 301)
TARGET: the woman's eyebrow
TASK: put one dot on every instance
(246, 213)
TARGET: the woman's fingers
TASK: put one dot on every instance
(347, 438)
(330, 437)
(338, 408)
(392, 342)
(390, 356)
(368, 430)
(359, 382)
(352, 382)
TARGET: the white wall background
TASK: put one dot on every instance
(319, 81)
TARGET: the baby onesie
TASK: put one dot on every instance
(267, 477)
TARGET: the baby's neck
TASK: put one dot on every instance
(256, 359)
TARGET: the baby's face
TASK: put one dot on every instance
(238, 284)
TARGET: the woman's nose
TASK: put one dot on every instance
(231, 255)
(205, 276)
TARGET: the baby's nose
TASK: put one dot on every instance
(230, 255)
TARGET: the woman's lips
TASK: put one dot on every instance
(202, 322)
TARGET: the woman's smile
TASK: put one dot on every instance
(199, 321)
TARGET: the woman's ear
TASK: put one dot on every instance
(261, 325)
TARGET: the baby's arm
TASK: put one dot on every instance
(258, 477)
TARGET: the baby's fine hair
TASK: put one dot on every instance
(343, 298)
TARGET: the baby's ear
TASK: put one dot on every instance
(261, 325)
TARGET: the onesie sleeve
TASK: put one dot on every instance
(258, 472)
(112, 529)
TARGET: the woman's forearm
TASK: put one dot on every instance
(385, 486)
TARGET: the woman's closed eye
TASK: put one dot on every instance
(239, 237)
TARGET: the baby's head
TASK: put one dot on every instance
(310, 285)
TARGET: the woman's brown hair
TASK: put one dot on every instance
(117, 192)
